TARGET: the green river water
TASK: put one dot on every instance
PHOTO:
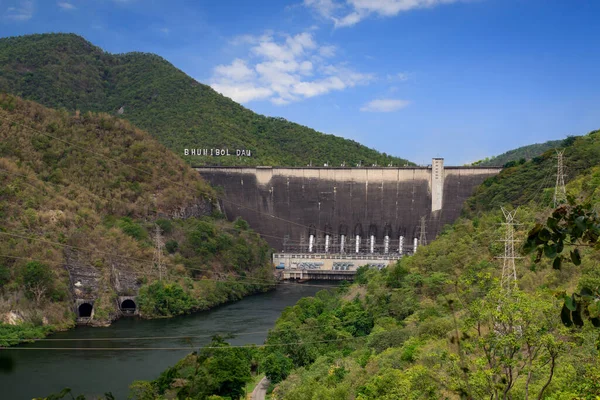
(29, 371)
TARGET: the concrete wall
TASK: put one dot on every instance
(290, 204)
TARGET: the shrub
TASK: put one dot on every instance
(171, 246)
(4, 275)
(131, 228)
(165, 225)
(241, 224)
(165, 299)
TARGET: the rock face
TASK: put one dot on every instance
(85, 279)
(124, 280)
(12, 318)
(202, 207)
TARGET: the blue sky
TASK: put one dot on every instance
(459, 79)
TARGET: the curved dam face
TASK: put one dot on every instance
(364, 210)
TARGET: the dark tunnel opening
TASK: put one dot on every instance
(85, 310)
(128, 305)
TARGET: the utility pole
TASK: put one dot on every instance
(158, 249)
(509, 271)
(560, 193)
(422, 233)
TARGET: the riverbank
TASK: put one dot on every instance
(157, 301)
(136, 349)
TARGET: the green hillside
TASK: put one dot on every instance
(437, 325)
(82, 195)
(66, 71)
(534, 180)
(520, 153)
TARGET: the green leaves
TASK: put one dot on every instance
(576, 257)
(586, 303)
(565, 316)
(570, 313)
(556, 264)
(570, 303)
(569, 224)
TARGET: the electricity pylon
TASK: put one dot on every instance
(509, 271)
(158, 249)
(560, 193)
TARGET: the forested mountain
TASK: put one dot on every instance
(66, 71)
(81, 198)
(522, 182)
(520, 153)
(438, 324)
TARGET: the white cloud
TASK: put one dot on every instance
(350, 12)
(327, 51)
(65, 5)
(23, 11)
(398, 77)
(237, 70)
(165, 30)
(384, 105)
(283, 70)
(242, 92)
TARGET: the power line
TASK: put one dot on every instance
(251, 346)
(116, 338)
(148, 172)
(162, 177)
(128, 203)
(118, 256)
(243, 280)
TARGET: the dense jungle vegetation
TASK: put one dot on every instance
(85, 193)
(437, 325)
(66, 71)
(520, 153)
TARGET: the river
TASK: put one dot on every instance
(38, 372)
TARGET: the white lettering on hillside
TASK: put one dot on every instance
(217, 152)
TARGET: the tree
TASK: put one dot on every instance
(277, 366)
(142, 390)
(519, 338)
(222, 371)
(38, 280)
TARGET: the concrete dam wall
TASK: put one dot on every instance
(324, 209)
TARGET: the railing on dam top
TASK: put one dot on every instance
(339, 256)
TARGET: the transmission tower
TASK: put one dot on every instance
(422, 233)
(158, 249)
(560, 193)
(509, 272)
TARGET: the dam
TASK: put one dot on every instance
(324, 210)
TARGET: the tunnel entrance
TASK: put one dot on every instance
(85, 310)
(128, 306)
